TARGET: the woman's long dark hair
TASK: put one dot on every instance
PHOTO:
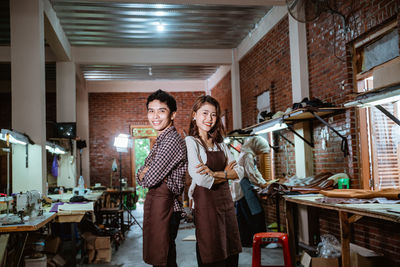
(217, 132)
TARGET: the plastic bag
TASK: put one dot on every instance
(329, 247)
(54, 167)
(114, 166)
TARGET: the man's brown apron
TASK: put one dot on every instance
(217, 231)
(158, 208)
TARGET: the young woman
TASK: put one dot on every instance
(211, 166)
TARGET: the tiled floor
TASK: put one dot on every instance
(130, 252)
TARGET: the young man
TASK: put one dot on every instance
(164, 174)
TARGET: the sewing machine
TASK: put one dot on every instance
(27, 204)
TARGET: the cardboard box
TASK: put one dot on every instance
(58, 260)
(102, 242)
(91, 255)
(98, 248)
(52, 245)
(96, 242)
(103, 256)
(308, 261)
(363, 257)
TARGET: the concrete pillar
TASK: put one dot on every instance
(28, 92)
(82, 126)
(66, 91)
(300, 89)
(66, 112)
(235, 84)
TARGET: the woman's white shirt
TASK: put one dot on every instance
(196, 155)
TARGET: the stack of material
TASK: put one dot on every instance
(313, 184)
(388, 193)
(98, 248)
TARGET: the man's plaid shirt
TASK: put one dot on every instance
(167, 161)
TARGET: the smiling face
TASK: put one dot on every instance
(159, 115)
(206, 117)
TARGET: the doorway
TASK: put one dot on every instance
(144, 138)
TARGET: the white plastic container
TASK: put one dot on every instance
(36, 262)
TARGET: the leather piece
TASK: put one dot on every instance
(362, 193)
(317, 183)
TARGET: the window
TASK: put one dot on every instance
(266, 161)
(144, 138)
(380, 145)
(379, 135)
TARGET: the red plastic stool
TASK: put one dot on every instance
(266, 238)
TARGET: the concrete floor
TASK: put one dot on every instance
(129, 253)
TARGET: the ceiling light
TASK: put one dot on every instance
(160, 26)
(55, 149)
(13, 137)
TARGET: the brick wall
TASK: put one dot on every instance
(223, 93)
(331, 76)
(267, 67)
(331, 80)
(113, 113)
(378, 235)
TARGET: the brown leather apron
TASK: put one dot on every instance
(158, 208)
(217, 231)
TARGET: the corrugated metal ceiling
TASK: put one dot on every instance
(137, 25)
(146, 72)
(114, 24)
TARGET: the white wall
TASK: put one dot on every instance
(30, 178)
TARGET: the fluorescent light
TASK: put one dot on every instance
(276, 127)
(383, 101)
(391, 94)
(13, 137)
(55, 149)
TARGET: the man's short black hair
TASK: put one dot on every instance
(163, 97)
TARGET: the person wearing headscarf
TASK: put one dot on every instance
(249, 213)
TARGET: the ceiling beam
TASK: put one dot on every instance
(145, 86)
(54, 34)
(151, 56)
(5, 54)
(202, 2)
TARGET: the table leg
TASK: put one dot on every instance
(345, 238)
(73, 238)
(291, 230)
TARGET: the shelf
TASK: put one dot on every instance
(300, 115)
(307, 114)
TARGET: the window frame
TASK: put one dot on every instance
(368, 173)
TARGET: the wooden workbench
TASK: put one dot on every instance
(29, 226)
(348, 214)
